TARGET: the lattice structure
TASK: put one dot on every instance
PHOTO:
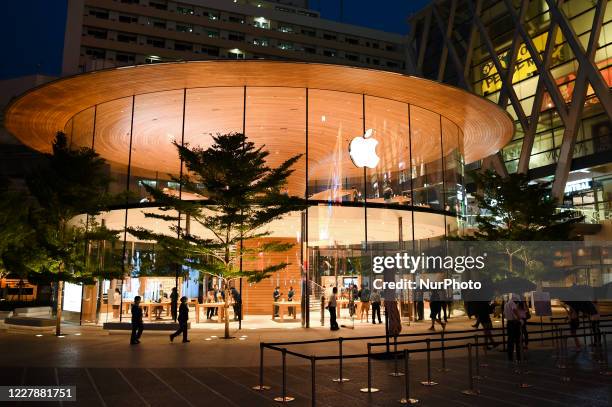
(522, 43)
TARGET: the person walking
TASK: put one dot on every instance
(435, 307)
(137, 325)
(331, 306)
(173, 302)
(183, 317)
(276, 295)
(419, 307)
(483, 314)
(364, 299)
(290, 296)
(116, 303)
(513, 327)
(237, 304)
(524, 315)
(375, 299)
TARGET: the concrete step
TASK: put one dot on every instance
(33, 312)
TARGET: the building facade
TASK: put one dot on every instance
(408, 198)
(108, 33)
(549, 64)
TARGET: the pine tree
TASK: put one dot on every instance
(242, 196)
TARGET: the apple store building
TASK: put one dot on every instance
(382, 164)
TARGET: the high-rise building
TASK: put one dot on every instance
(107, 33)
(549, 64)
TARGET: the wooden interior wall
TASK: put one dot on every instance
(257, 298)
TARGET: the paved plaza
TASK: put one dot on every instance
(211, 371)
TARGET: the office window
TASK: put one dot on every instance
(392, 64)
(211, 15)
(329, 53)
(285, 28)
(375, 61)
(97, 33)
(310, 33)
(390, 47)
(235, 36)
(183, 46)
(310, 50)
(352, 41)
(212, 34)
(184, 28)
(261, 22)
(352, 57)
(156, 42)
(328, 36)
(235, 54)
(95, 53)
(156, 23)
(102, 14)
(129, 38)
(158, 5)
(127, 18)
(125, 58)
(236, 19)
(212, 51)
(185, 10)
(375, 45)
(285, 45)
(262, 42)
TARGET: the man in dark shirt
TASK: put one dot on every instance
(276, 296)
(137, 325)
(183, 317)
(173, 303)
(237, 304)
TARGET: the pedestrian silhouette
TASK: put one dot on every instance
(137, 325)
(183, 317)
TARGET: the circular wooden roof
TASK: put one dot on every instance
(37, 115)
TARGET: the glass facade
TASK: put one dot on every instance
(412, 197)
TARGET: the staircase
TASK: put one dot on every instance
(314, 299)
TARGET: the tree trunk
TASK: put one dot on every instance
(58, 313)
(99, 300)
(226, 316)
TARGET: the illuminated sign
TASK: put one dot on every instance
(362, 151)
(72, 297)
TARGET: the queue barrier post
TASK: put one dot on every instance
(563, 357)
(471, 391)
(443, 354)
(485, 355)
(428, 382)
(477, 376)
(284, 398)
(369, 389)
(605, 371)
(340, 379)
(261, 386)
(396, 372)
(313, 380)
(407, 399)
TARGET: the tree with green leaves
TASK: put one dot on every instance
(242, 196)
(72, 182)
(514, 210)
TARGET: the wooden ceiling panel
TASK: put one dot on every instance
(276, 90)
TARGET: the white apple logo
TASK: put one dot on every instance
(363, 150)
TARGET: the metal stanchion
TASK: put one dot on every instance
(563, 357)
(443, 354)
(521, 361)
(340, 378)
(428, 382)
(584, 334)
(477, 376)
(261, 386)
(485, 355)
(284, 398)
(556, 342)
(605, 371)
(471, 391)
(396, 372)
(369, 389)
(407, 399)
(313, 380)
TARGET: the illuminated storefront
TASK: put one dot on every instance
(382, 165)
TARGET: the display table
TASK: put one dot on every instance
(283, 306)
(220, 310)
(148, 307)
